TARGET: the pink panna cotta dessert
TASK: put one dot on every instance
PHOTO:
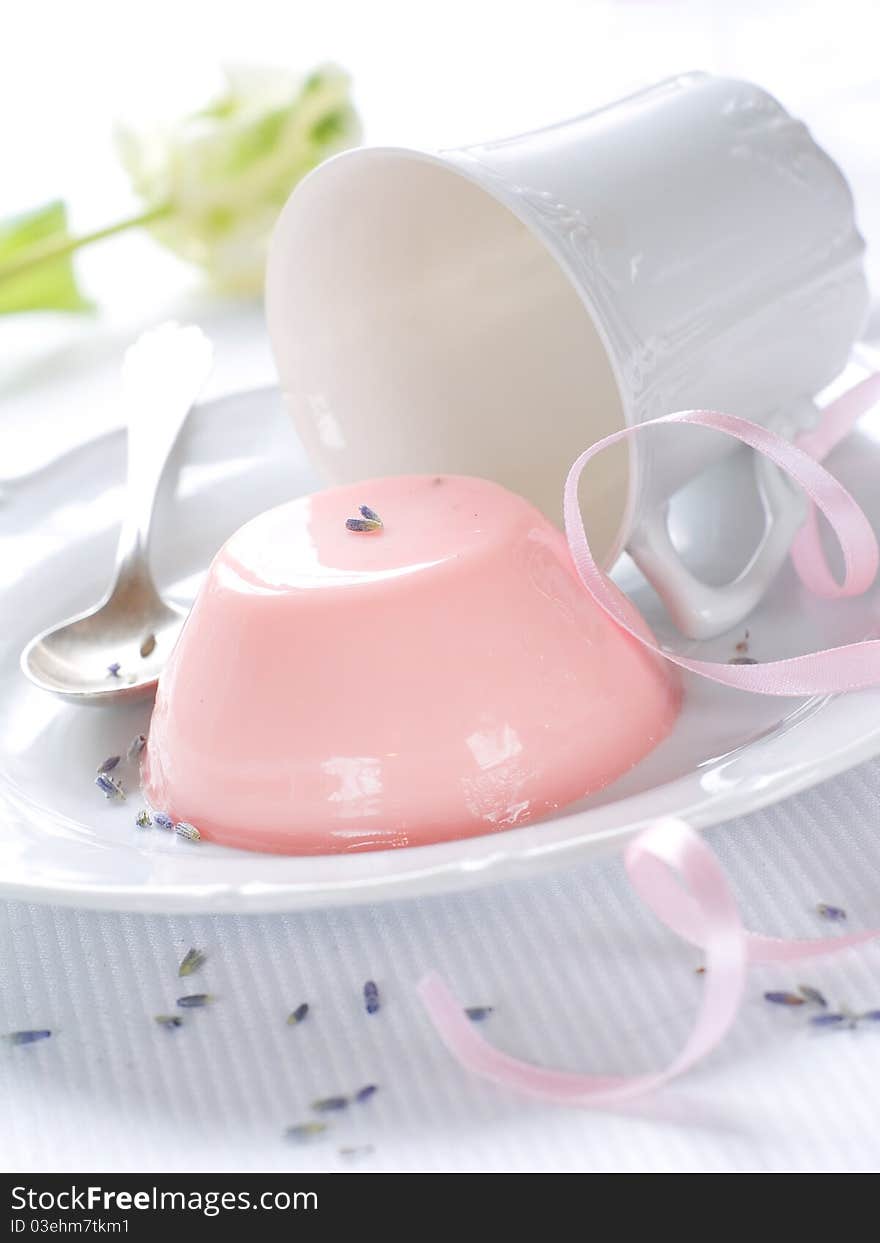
(443, 675)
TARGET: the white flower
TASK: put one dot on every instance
(218, 178)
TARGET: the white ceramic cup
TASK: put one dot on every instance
(494, 310)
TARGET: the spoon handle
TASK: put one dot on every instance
(162, 375)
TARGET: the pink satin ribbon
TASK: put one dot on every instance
(704, 911)
(837, 422)
(850, 667)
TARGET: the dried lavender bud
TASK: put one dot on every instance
(195, 1001)
(193, 961)
(827, 1020)
(183, 828)
(371, 997)
(163, 820)
(113, 670)
(477, 1013)
(742, 660)
(109, 786)
(369, 514)
(28, 1037)
(169, 1021)
(784, 999)
(812, 994)
(305, 1131)
(330, 1104)
(835, 913)
(298, 1014)
(109, 764)
(365, 1093)
(362, 524)
(135, 747)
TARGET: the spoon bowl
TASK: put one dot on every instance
(77, 658)
(116, 650)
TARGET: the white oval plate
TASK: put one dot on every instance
(61, 842)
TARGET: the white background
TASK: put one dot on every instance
(113, 1093)
(425, 73)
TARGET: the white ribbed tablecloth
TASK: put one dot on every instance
(580, 975)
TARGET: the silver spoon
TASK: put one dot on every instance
(116, 650)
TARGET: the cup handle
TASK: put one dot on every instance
(699, 609)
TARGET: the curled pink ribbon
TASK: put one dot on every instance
(836, 669)
(704, 912)
(836, 423)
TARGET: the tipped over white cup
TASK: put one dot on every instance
(493, 310)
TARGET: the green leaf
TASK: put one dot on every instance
(35, 248)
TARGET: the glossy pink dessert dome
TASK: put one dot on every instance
(445, 676)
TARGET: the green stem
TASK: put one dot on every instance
(58, 248)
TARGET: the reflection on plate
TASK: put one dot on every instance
(60, 842)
